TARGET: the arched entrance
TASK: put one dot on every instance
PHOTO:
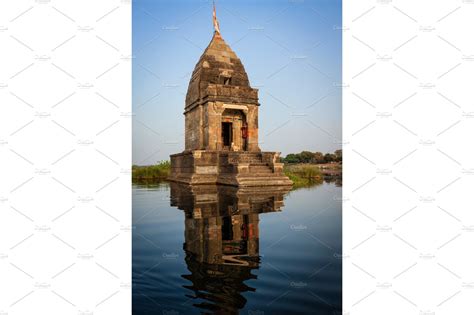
(233, 130)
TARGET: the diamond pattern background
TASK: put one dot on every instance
(65, 94)
(408, 157)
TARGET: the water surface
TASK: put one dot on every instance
(222, 250)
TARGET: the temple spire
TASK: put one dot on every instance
(214, 19)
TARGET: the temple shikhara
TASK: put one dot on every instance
(221, 125)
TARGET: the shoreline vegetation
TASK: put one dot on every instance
(308, 175)
(157, 172)
(305, 169)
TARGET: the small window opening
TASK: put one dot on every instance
(227, 81)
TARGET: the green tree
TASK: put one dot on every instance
(318, 157)
(306, 156)
(328, 157)
(291, 158)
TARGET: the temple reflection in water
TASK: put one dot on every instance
(222, 240)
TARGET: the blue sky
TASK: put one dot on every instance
(291, 50)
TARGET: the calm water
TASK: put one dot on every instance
(219, 250)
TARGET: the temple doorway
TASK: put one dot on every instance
(234, 130)
(227, 135)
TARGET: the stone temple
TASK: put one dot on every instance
(221, 126)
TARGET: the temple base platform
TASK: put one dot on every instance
(233, 168)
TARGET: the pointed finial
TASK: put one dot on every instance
(214, 19)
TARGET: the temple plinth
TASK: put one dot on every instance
(221, 126)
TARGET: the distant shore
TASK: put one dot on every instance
(309, 174)
(302, 174)
(148, 173)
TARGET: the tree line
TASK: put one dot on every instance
(313, 157)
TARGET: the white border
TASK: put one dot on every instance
(408, 156)
(65, 131)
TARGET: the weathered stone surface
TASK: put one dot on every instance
(221, 126)
(227, 168)
(208, 170)
(218, 81)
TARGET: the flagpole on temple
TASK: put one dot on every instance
(214, 19)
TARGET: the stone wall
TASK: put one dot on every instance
(193, 129)
(203, 126)
(228, 168)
